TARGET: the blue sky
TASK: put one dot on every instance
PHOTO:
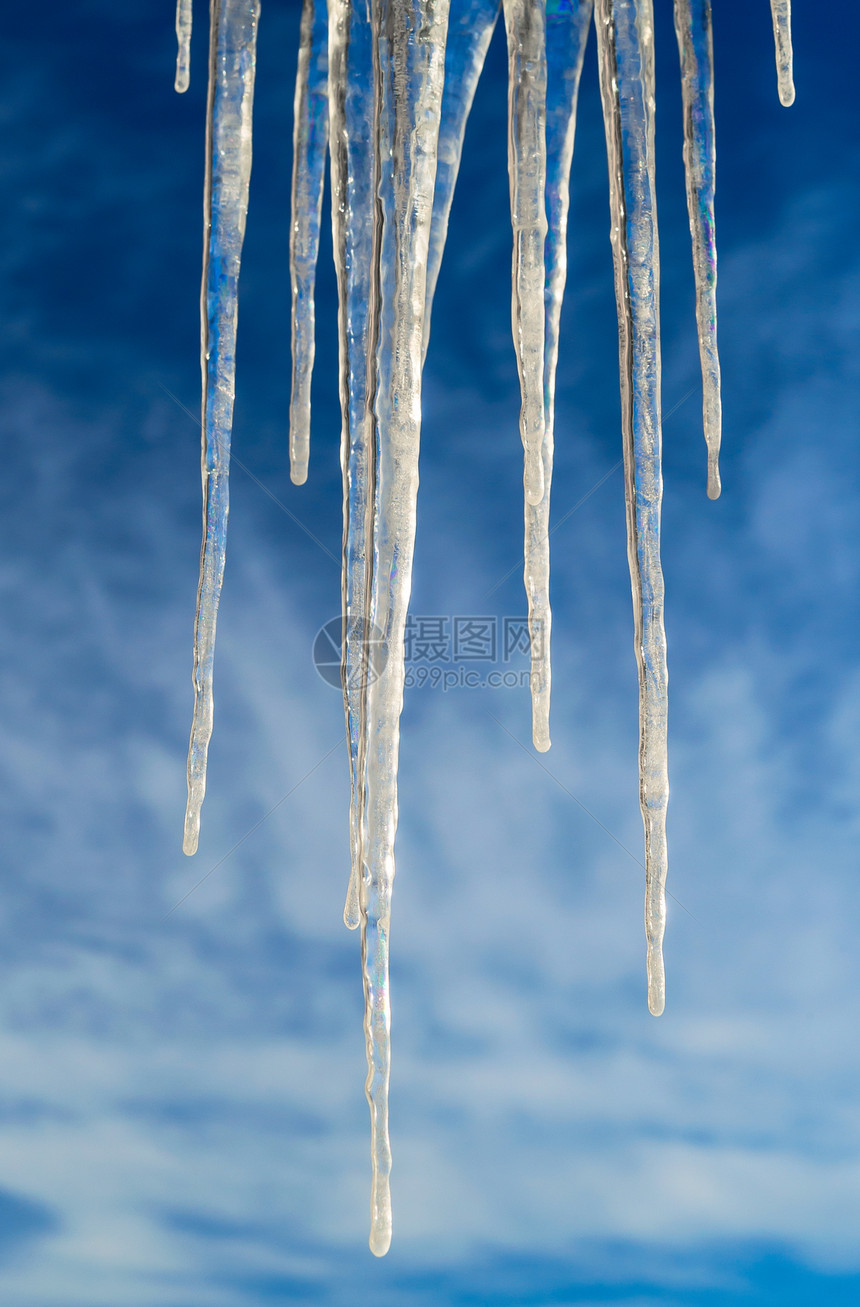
(182, 1117)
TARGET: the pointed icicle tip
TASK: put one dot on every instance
(351, 909)
(380, 1240)
(191, 838)
(656, 982)
(380, 1210)
(541, 740)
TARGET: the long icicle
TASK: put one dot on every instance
(469, 32)
(525, 23)
(183, 45)
(566, 36)
(470, 28)
(696, 48)
(232, 54)
(409, 45)
(625, 38)
(352, 171)
(781, 14)
(310, 136)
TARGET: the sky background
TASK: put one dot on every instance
(182, 1114)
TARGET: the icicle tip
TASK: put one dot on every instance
(541, 740)
(380, 1240)
(192, 832)
(656, 982)
(351, 909)
(380, 1211)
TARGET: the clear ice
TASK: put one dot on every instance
(232, 55)
(183, 45)
(625, 49)
(525, 25)
(310, 138)
(781, 14)
(353, 183)
(696, 48)
(566, 35)
(387, 86)
(409, 55)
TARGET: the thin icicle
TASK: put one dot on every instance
(696, 47)
(352, 185)
(470, 29)
(183, 45)
(625, 34)
(232, 53)
(525, 22)
(566, 35)
(310, 135)
(781, 14)
(409, 45)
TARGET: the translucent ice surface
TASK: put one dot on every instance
(386, 87)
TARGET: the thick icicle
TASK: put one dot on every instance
(470, 29)
(566, 35)
(695, 45)
(409, 46)
(183, 45)
(352, 185)
(525, 22)
(310, 136)
(625, 32)
(232, 53)
(781, 14)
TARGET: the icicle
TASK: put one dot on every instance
(470, 28)
(566, 35)
(469, 36)
(397, 103)
(695, 44)
(183, 43)
(409, 52)
(625, 34)
(232, 52)
(781, 14)
(352, 186)
(525, 22)
(469, 32)
(310, 135)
